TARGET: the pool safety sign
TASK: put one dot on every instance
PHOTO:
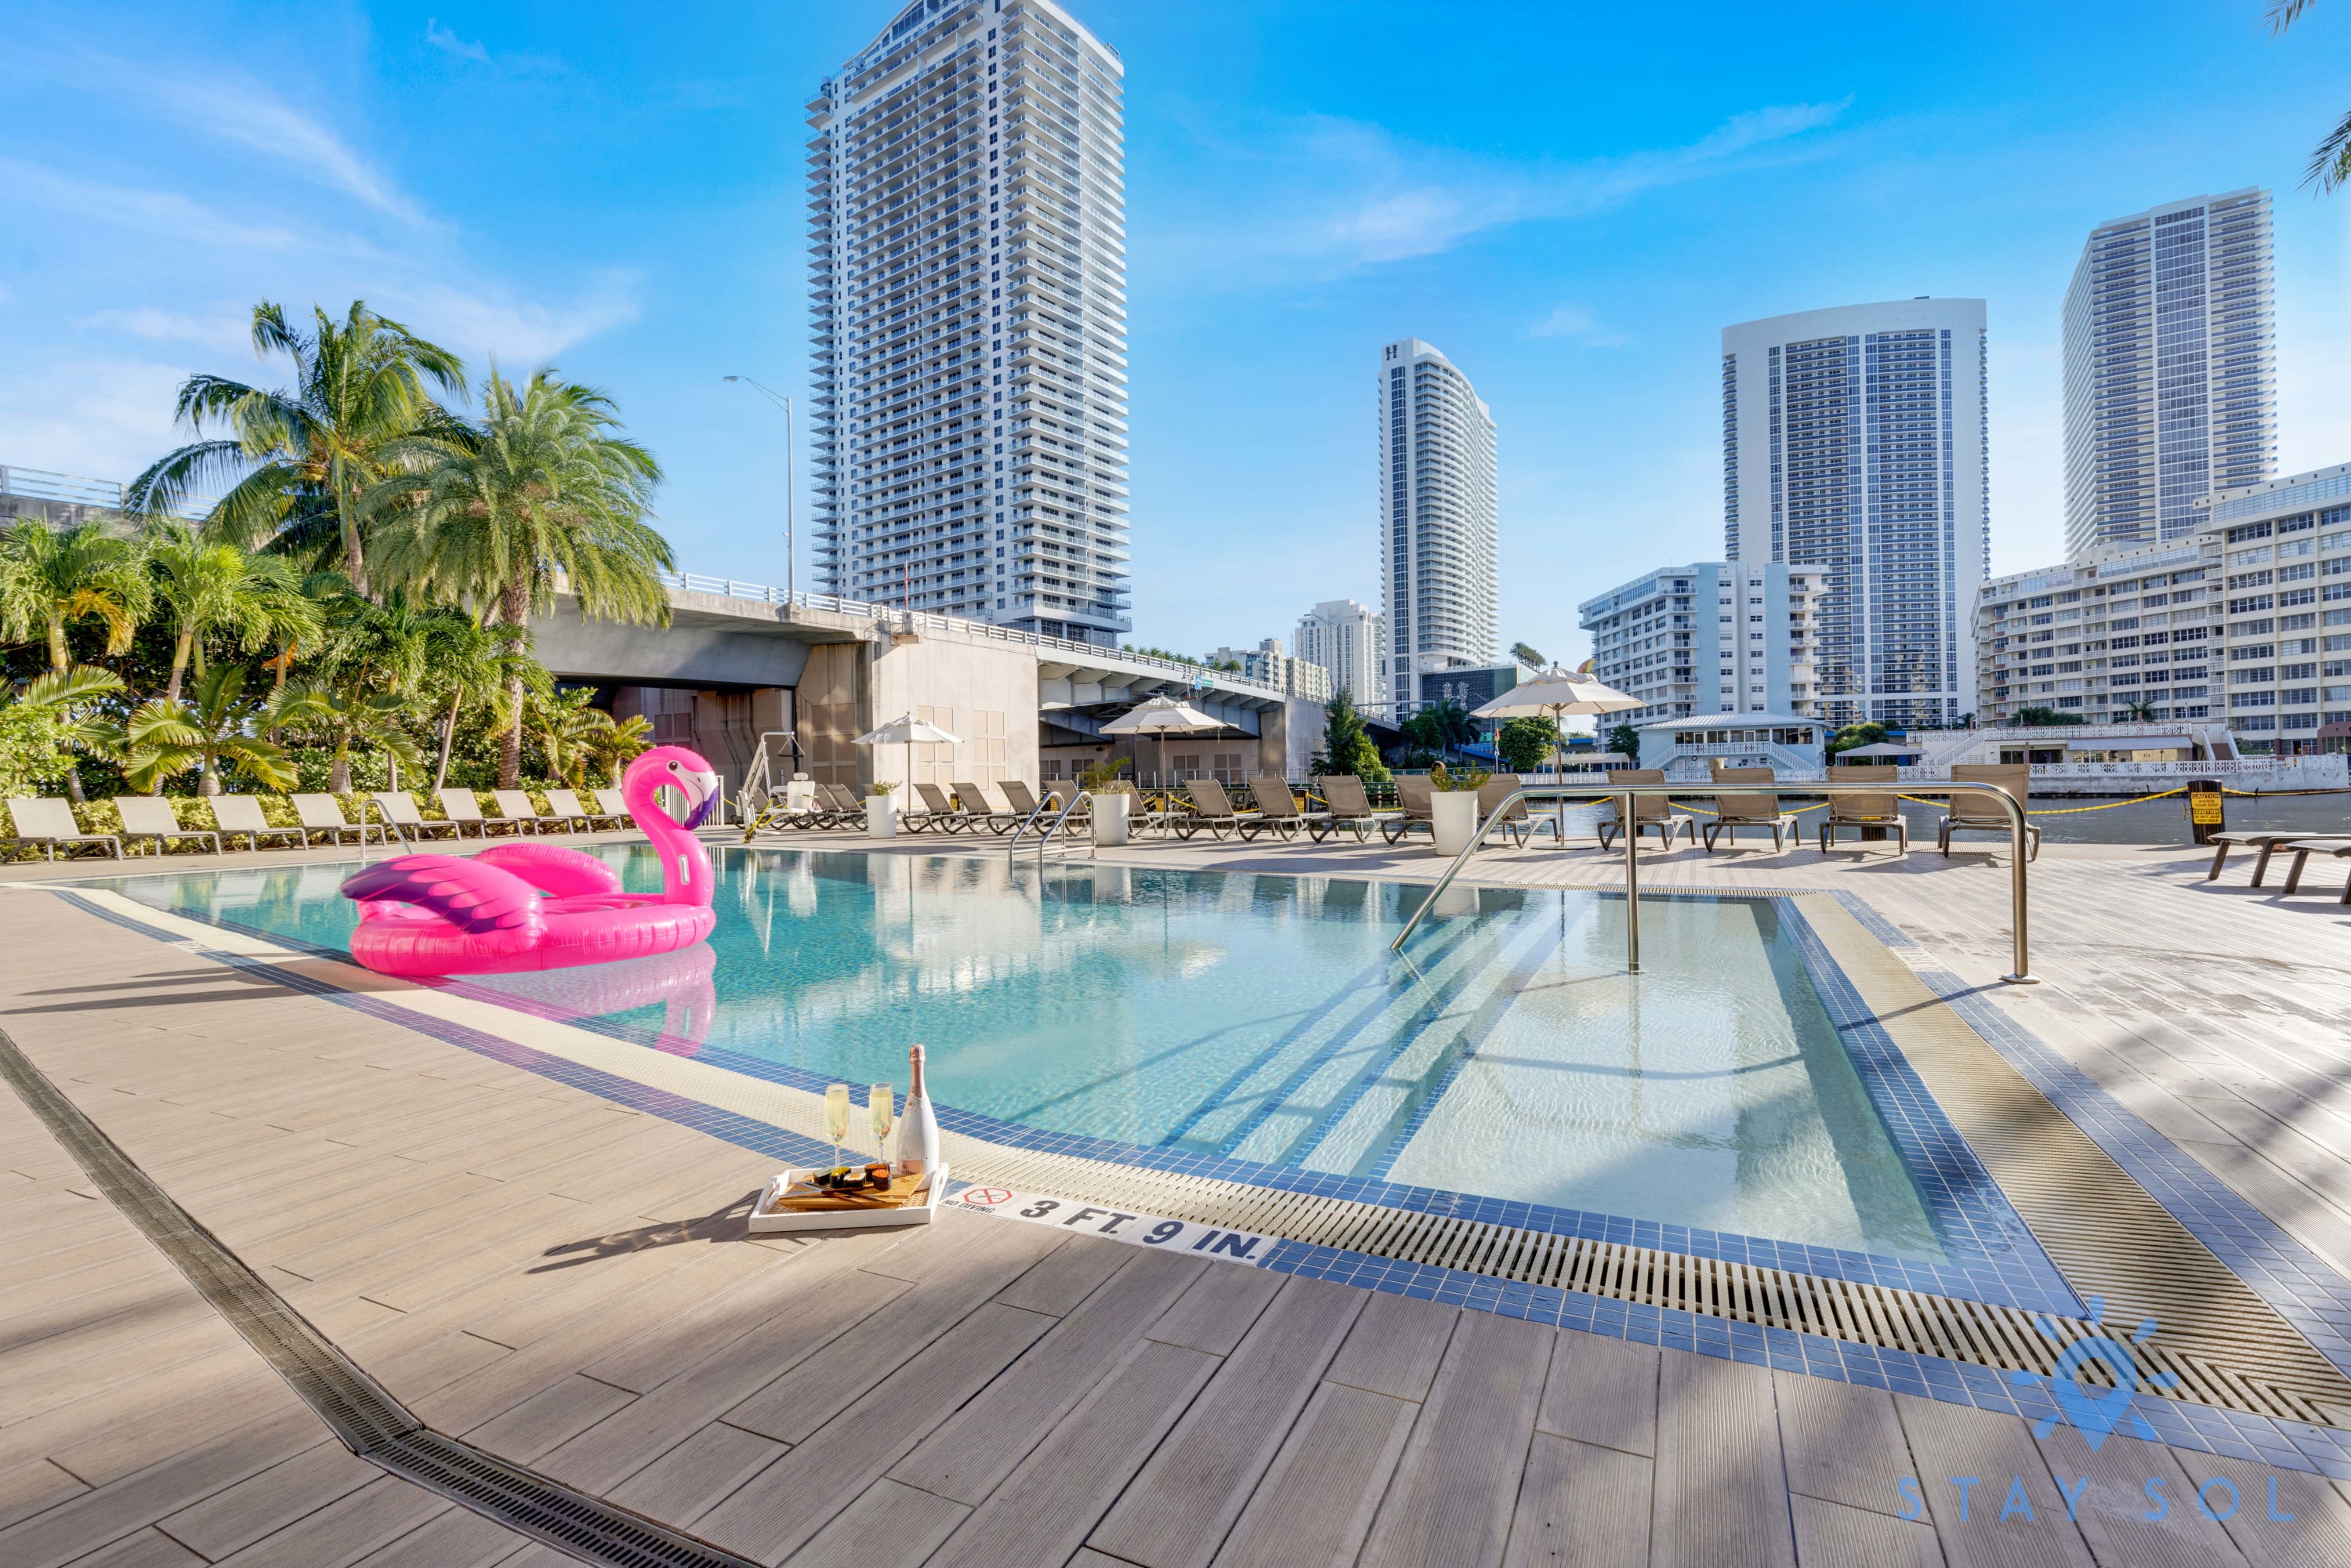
(1138, 1229)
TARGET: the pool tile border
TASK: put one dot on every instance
(2283, 1445)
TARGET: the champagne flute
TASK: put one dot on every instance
(881, 1115)
(836, 1116)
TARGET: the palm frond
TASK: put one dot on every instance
(2330, 166)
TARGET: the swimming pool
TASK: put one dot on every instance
(1260, 1018)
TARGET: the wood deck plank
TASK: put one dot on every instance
(1831, 1535)
(1581, 1506)
(1601, 1391)
(1843, 1443)
(1950, 1440)
(1395, 1346)
(1315, 1504)
(709, 1466)
(239, 1515)
(888, 1526)
(1721, 1493)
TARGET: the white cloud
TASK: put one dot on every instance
(101, 418)
(1575, 322)
(521, 333)
(163, 214)
(223, 331)
(1347, 194)
(442, 38)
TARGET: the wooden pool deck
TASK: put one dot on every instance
(566, 1282)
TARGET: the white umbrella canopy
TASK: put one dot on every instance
(1162, 717)
(906, 730)
(1556, 694)
(1884, 749)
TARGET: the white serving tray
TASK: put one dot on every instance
(918, 1212)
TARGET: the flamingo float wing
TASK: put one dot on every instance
(552, 869)
(480, 900)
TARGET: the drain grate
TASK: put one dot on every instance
(369, 1420)
(2260, 1369)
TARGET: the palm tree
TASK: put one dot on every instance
(211, 588)
(51, 578)
(541, 486)
(618, 743)
(353, 717)
(1525, 654)
(570, 732)
(302, 458)
(2330, 165)
(51, 717)
(213, 726)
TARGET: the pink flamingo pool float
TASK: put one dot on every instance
(520, 907)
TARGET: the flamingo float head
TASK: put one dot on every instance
(683, 770)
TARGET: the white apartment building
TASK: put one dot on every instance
(1346, 639)
(1711, 638)
(2246, 622)
(967, 220)
(2170, 369)
(1854, 448)
(1439, 579)
(1297, 677)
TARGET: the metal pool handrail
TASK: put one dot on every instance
(1626, 793)
(1045, 833)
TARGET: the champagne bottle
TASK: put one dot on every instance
(918, 1129)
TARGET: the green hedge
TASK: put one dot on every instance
(194, 812)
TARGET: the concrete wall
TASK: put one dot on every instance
(692, 651)
(982, 693)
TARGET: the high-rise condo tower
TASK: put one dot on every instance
(1853, 442)
(1438, 580)
(2170, 369)
(967, 223)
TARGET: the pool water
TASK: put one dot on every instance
(1261, 1018)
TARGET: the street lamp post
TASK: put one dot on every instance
(791, 579)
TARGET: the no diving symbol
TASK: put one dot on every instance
(986, 1196)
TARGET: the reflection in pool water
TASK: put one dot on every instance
(1261, 1018)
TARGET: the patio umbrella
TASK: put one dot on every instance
(1162, 716)
(1882, 748)
(905, 730)
(1555, 695)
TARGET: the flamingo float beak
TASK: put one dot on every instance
(706, 787)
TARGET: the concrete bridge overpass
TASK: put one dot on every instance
(739, 660)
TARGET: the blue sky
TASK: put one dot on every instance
(1570, 201)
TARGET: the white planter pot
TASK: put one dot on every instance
(1453, 820)
(881, 817)
(1110, 817)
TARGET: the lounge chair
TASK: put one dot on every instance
(1650, 812)
(1975, 813)
(1416, 795)
(1732, 812)
(516, 806)
(1865, 810)
(324, 814)
(980, 813)
(49, 823)
(2267, 844)
(1348, 807)
(613, 804)
(1277, 810)
(241, 814)
(565, 803)
(2303, 849)
(461, 807)
(149, 819)
(1212, 810)
(844, 808)
(1513, 822)
(398, 806)
(935, 811)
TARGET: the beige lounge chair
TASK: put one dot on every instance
(565, 804)
(1213, 811)
(611, 803)
(1277, 810)
(979, 811)
(460, 806)
(241, 814)
(1973, 812)
(324, 814)
(516, 806)
(49, 823)
(1415, 797)
(935, 811)
(1513, 822)
(398, 806)
(846, 807)
(2303, 849)
(1865, 810)
(150, 818)
(1732, 812)
(1651, 813)
(1348, 807)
